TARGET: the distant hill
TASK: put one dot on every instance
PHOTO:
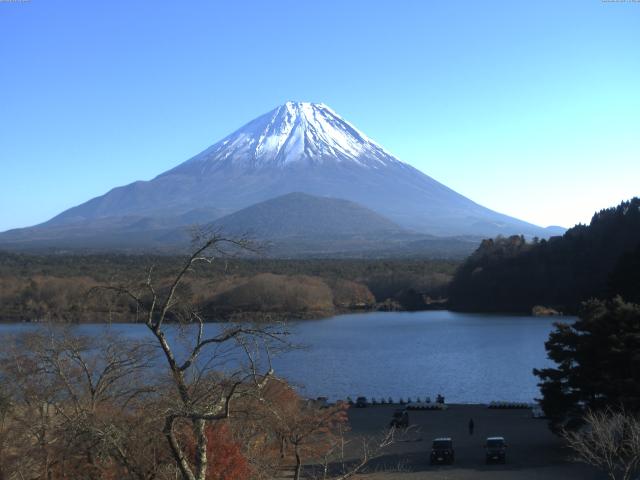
(511, 274)
(300, 225)
(294, 225)
(299, 214)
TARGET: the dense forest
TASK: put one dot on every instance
(599, 260)
(41, 287)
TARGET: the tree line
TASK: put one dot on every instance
(595, 261)
(53, 287)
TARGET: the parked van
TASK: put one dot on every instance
(496, 449)
(442, 451)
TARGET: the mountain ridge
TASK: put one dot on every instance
(297, 147)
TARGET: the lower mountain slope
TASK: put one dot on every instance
(299, 214)
(294, 225)
(301, 225)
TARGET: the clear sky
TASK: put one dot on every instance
(529, 108)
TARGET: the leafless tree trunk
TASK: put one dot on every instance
(203, 394)
(298, 469)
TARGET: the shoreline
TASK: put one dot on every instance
(533, 451)
(260, 317)
(274, 317)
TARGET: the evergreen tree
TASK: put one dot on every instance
(598, 363)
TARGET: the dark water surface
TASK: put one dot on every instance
(469, 358)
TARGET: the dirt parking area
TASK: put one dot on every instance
(533, 451)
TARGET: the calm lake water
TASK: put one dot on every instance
(469, 358)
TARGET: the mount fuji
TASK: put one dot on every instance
(298, 147)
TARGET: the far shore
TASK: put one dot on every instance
(266, 317)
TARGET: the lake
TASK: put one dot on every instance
(469, 358)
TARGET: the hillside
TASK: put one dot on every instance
(302, 215)
(513, 275)
(301, 225)
(295, 225)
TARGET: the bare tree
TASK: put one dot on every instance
(609, 441)
(72, 399)
(315, 436)
(365, 449)
(206, 371)
(301, 426)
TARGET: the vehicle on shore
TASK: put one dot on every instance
(496, 450)
(537, 412)
(400, 418)
(361, 402)
(442, 452)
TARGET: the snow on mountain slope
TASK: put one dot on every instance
(296, 132)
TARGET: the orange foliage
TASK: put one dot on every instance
(226, 461)
(310, 429)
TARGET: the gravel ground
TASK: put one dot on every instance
(533, 452)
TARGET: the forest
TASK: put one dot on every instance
(599, 260)
(56, 287)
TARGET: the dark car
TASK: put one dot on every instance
(496, 449)
(400, 419)
(442, 451)
(361, 402)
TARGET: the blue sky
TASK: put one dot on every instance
(529, 108)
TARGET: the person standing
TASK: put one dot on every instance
(471, 426)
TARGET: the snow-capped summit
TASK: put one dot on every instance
(298, 147)
(293, 133)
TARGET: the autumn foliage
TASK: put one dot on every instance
(227, 461)
(304, 429)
